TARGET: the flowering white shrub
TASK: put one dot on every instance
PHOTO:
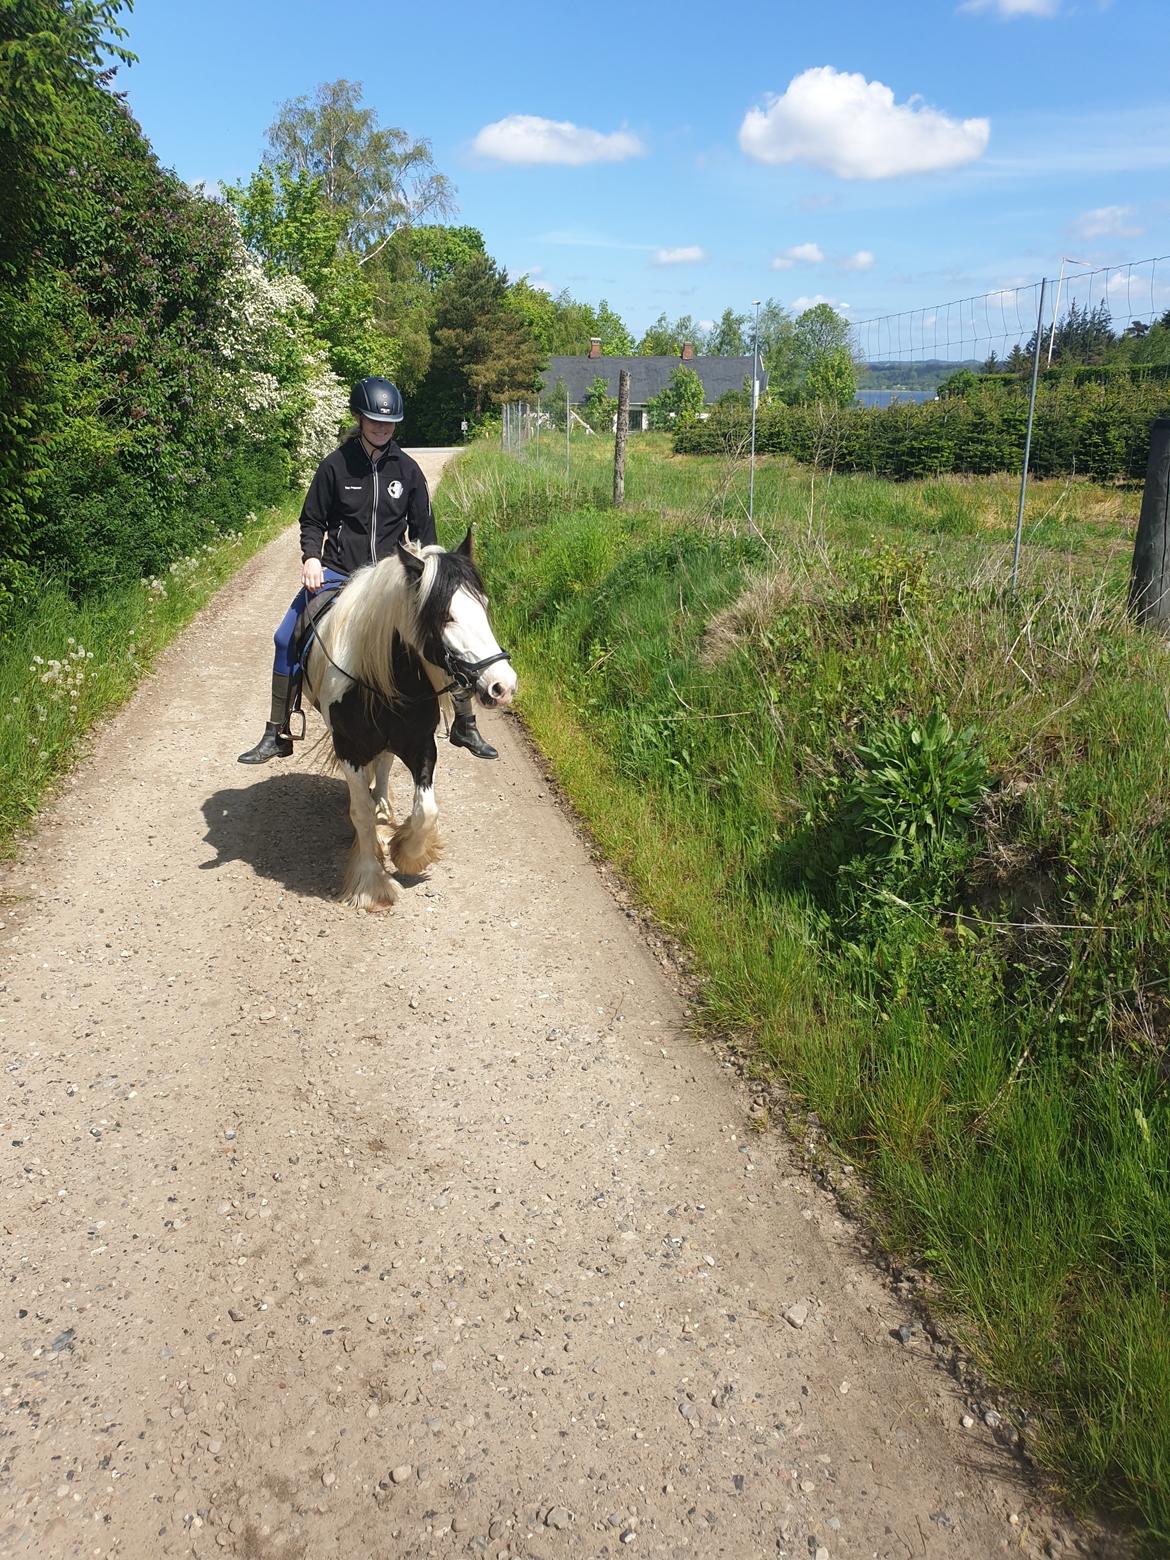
(324, 405)
(275, 365)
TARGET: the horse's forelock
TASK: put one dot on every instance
(445, 574)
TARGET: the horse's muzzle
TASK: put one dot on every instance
(497, 685)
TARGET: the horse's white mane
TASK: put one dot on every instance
(378, 602)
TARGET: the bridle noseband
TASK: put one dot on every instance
(464, 674)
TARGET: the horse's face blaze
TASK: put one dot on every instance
(454, 612)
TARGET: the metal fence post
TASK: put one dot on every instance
(568, 434)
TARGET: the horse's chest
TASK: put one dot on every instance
(364, 726)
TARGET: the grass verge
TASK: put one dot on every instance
(66, 664)
(913, 829)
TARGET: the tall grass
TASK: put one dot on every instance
(913, 829)
(65, 664)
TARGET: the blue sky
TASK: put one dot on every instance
(689, 157)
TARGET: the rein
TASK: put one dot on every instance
(463, 674)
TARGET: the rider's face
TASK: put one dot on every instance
(377, 434)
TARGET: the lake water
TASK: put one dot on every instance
(884, 397)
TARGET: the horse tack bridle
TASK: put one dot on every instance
(464, 674)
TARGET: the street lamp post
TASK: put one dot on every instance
(1064, 260)
(755, 401)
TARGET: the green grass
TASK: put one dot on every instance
(65, 664)
(970, 986)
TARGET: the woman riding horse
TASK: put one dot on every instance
(366, 497)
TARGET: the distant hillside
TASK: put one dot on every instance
(925, 375)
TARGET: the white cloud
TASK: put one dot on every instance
(799, 305)
(840, 121)
(1107, 222)
(799, 254)
(1011, 8)
(687, 254)
(863, 260)
(526, 138)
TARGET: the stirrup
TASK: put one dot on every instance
(295, 736)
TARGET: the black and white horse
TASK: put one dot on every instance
(400, 637)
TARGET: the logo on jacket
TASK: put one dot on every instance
(394, 489)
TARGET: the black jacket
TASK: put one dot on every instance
(358, 510)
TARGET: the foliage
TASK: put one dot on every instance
(1089, 429)
(679, 403)
(600, 408)
(483, 352)
(375, 179)
(728, 339)
(565, 327)
(831, 379)
(664, 339)
(287, 223)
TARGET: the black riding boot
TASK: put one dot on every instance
(276, 741)
(465, 733)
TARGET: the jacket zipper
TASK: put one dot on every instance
(374, 516)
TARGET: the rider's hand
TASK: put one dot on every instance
(312, 574)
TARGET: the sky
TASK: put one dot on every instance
(687, 158)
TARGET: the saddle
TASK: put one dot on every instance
(314, 610)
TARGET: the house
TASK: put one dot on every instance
(648, 376)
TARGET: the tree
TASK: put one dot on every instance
(778, 351)
(616, 340)
(819, 331)
(681, 401)
(379, 180)
(483, 351)
(289, 226)
(664, 339)
(832, 379)
(658, 340)
(600, 407)
(728, 339)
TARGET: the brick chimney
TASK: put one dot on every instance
(688, 351)
(595, 346)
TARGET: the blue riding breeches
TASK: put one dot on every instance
(283, 664)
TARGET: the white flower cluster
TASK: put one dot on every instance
(324, 404)
(62, 680)
(264, 330)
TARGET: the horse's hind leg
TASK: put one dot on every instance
(416, 842)
(367, 885)
(383, 807)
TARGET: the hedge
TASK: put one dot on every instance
(1101, 431)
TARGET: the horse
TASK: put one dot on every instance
(401, 635)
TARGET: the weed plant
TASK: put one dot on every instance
(914, 829)
(64, 663)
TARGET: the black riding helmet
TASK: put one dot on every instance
(377, 399)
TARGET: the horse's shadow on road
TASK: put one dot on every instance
(292, 828)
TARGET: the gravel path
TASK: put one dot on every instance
(431, 1233)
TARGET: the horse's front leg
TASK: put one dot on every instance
(416, 842)
(367, 885)
(383, 807)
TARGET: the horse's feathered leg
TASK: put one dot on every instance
(416, 843)
(367, 885)
(383, 807)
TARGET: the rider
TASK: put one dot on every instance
(366, 497)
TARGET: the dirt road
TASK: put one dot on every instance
(431, 1233)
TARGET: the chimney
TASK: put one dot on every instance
(688, 351)
(595, 346)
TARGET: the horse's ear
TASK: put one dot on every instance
(411, 562)
(464, 548)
